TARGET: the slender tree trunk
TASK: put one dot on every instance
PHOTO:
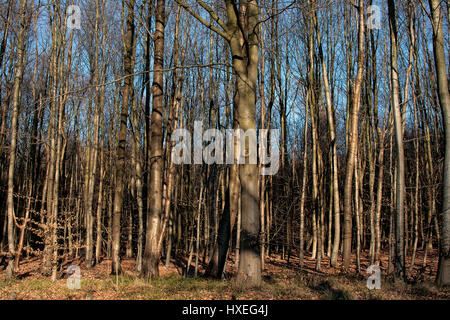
(353, 140)
(122, 141)
(98, 242)
(93, 149)
(303, 196)
(416, 191)
(100, 202)
(197, 239)
(400, 186)
(262, 187)
(14, 128)
(357, 218)
(334, 162)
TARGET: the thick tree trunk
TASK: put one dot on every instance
(152, 251)
(249, 273)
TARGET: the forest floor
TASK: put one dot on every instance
(281, 281)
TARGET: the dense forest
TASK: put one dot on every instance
(349, 101)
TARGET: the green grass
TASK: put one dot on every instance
(286, 286)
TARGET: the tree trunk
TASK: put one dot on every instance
(353, 140)
(249, 273)
(14, 128)
(443, 275)
(400, 186)
(152, 251)
(122, 141)
(334, 162)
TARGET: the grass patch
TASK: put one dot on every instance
(291, 286)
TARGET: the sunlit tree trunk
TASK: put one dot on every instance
(400, 186)
(304, 180)
(250, 262)
(334, 162)
(152, 251)
(352, 135)
(93, 148)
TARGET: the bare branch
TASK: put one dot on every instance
(213, 14)
(209, 25)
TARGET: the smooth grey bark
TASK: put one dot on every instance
(151, 259)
